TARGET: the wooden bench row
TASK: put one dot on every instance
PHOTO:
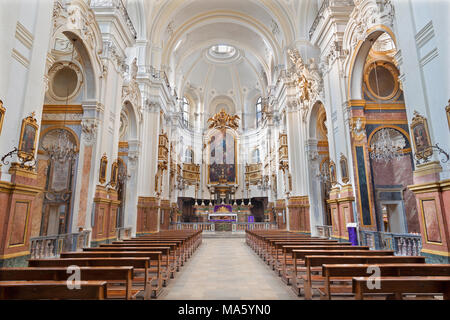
(112, 271)
(340, 270)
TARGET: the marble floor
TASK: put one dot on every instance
(226, 269)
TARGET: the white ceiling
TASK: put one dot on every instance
(261, 30)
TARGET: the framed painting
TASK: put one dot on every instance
(103, 168)
(344, 169)
(28, 137)
(421, 137)
(222, 158)
(333, 179)
(2, 115)
(114, 173)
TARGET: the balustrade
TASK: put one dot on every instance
(117, 4)
(324, 231)
(402, 244)
(123, 233)
(51, 246)
(236, 227)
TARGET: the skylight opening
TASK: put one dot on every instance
(223, 50)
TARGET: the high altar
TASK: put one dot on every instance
(222, 213)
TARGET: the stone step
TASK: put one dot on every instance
(223, 234)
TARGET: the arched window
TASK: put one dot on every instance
(189, 156)
(185, 109)
(256, 157)
(258, 112)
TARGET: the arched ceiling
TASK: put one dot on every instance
(182, 31)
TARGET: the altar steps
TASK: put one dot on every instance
(223, 234)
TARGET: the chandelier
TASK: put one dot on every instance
(63, 149)
(386, 148)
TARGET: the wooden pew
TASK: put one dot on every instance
(283, 249)
(51, 290)
(190, 240)
(397, 286)
(264, 246)
(345, 272)
(165, 254)
(174, 252)
(300, 253)
(317, 260)
(182, 248)
(154, 256)
(276, 246)
(108, 274)
(263, 242)
(256, 239)
(136, 263)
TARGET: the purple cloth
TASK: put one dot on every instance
(251, 219)
(352, 236)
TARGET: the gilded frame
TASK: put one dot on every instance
(28, 137)
(389, 67)
(2, 115)
(103, 169)
(344, 169)
(114, 173)
(421, 137)
(332, 168)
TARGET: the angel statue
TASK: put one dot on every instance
(233, 121)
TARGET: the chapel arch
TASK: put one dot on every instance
(319, 161)
(378, 118)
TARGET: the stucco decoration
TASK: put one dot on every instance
(308, 80)
(365, 15)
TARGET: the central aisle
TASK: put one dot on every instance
(226, 269)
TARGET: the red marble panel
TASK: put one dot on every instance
(101, 221)
(335, 219)
(399, 173)
(19, 223)
(430, 215)
(4, 212)
(346, 215)
(112, 222)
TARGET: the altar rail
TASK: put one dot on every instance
(205, 226)
(236, 226)
(403, 244)
(242, 226)
(52, 246)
